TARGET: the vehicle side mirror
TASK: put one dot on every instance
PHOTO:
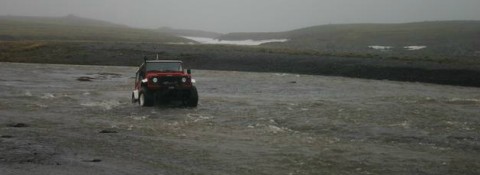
(189, 71)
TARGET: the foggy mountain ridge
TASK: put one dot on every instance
(360, 27)
(431, 37)
(71, 20)
(227, 16)
(76, 28)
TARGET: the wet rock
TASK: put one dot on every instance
(85, 78)
(106, 131)
(93, 160)
(18, 125)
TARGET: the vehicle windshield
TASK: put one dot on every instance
(164, 67)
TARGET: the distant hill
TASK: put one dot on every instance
(186, 32)
(70, 20)
(76, 28)
(439, 37)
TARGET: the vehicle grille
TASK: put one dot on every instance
(169, 80)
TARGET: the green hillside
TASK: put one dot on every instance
(75, 28)
(454, 38)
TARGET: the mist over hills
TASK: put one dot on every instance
(69, 20)
(438, 37)
(14, 28)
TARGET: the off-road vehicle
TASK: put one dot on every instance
(163, 81)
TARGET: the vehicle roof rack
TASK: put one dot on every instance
(145, 59)
(163, 61)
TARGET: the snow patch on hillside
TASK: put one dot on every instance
(414, 47)
(204, 40)
(386, 48)
(380, 47)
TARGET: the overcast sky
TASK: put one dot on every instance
(247, 15)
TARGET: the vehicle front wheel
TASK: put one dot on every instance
(192, 100)
(145, 98)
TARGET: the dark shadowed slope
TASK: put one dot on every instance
(214, 57)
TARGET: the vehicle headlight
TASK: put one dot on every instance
(184, 80)
(155, 80)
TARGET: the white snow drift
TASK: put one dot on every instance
(414, 47)
(204, 40)
(380, 47)
(385, 48)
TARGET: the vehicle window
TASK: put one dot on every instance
(141, 74)
(164, 67)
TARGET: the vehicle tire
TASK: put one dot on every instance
(192, 100)
(145, 98)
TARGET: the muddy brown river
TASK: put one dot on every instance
(246, 123)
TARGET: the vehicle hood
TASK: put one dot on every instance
(166, 74)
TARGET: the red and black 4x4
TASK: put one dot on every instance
(162, 81)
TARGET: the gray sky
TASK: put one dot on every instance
(247, 15)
